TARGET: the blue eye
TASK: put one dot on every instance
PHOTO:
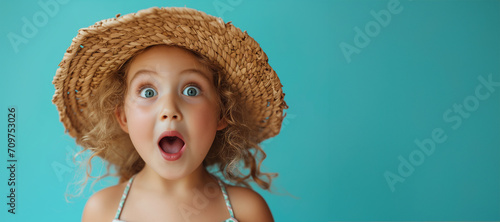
(148, 92)
(191, 91)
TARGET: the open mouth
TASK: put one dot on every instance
(171, 144)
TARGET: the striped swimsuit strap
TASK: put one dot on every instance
(122, 201)
(228, 203)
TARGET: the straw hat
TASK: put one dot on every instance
(101, 49)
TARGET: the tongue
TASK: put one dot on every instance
(171, 144)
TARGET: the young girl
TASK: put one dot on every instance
(175, 100)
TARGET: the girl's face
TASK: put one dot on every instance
(170, 110)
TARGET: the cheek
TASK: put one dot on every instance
(204, 120)
(139, 121)
(206, 114)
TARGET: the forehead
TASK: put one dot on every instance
(167, 59)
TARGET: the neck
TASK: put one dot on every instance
(148, 179)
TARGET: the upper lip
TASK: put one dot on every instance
(170, 133)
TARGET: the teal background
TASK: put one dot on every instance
(347, 123)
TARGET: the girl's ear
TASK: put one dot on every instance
(121, 118)
(222, 124)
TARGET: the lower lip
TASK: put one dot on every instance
(172, 156)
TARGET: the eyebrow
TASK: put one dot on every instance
(150, 72)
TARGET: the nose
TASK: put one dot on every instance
(170, 109)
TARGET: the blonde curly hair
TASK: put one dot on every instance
(236, 144)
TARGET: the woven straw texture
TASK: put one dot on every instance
(102, 48)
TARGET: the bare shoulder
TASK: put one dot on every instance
(102, 205)
(248, 205)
